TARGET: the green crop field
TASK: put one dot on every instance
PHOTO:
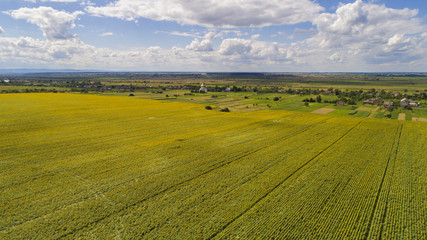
(75, 166)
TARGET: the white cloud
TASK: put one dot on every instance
(203, 45)
(87, 3)
(60, 0)
(53, 23)
(360, 22)
(1, 30)
(235, 46)
(106, 34)
(181, 34)
(369, 33)
(232, 55)
(213, 13)
(337, 57)
(253, 51)
(358, 37)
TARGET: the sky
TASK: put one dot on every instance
(215, 35)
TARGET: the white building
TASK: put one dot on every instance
(413, 104)
(404, 102)
(203, 89)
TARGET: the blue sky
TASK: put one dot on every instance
(215, 35)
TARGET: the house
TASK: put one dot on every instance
(203, 89)
(370, 102)
(340, 103)
(413, 104)
(388, 104)
(377, 101)
(404, 102)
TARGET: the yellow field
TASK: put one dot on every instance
(96, 167)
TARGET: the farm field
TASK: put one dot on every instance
(75, 166)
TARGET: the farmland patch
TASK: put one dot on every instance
(324, 110)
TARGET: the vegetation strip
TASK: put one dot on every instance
(374, 208)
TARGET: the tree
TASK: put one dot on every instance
(276, 99)
(208, 108)
(351, 102)
(319, 99)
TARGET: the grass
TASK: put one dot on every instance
(250, 102)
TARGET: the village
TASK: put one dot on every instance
(245, 93)
(405, 103)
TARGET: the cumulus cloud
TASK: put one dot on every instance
(53, 23)
(235, 46)
(203, 45)
(232, 55)
(358, 22)
(372, 32)
(253, 51)
(213, 13)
